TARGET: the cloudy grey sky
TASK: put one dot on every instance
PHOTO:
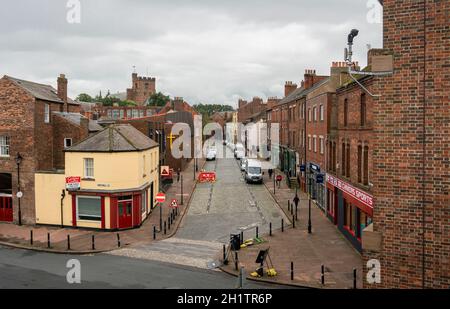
(206, 51)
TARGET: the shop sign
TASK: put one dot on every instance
(314, 167)
(359, 195)
(73, 183)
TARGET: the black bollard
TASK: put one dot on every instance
(48, 240)
(322, 276)
(31, 237)
(68, 242)
(292, 270)
(293, 221)
(154, 232)
(282, 225)
(93, 242)
(296, 213)
(165, 231)
(118, 240)
(354, 278)
(242, 238)
(224, 253)
(168, 223)
(236, 260)
(270, 229)
(257, 232)
(289, 206)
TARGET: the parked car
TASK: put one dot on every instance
(211, 155)
(253, 172)
(239, 151)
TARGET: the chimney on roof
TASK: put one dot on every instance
(178, 104)
(309, 78)
(289, 87)
(241, 103)
(62, 90)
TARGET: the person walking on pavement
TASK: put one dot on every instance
(270, 173)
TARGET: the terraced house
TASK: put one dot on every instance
(37, 122)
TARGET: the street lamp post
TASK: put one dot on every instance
(19, 193)
(181, 176)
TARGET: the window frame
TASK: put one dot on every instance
(99, 198)
(46, 113)
(65, 142)
(6, 146)
(86, 168)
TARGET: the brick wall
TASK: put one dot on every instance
(411, 148)
(16, 121)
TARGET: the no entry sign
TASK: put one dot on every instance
(160, 197)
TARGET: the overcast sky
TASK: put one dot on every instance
(206, 51)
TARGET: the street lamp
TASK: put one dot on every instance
(19, 193)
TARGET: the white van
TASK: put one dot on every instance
(253, 171)
(239, 151)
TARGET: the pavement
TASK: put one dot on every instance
(25, 269)
(81, 239)
(324, 246)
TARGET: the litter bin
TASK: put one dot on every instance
(235, 242)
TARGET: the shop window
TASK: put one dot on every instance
(347, 215)
(144, 202)
(4, 146)
(89, 208)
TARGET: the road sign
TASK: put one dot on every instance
(73, 183)
(302, 168)
(165, 171)
(174, 203)
(19, 194)
(160, 197)
(320, 178)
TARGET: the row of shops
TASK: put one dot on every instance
(346, 206)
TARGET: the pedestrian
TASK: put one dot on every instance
(270, 173)
(279, 179)
(178, 175)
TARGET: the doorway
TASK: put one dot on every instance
(6, 206)
(125, 211)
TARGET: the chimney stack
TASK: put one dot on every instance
(241, 103)
(289, 87)
(309, 79)
(62, 90)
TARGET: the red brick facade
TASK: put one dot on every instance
(23, 121)
(411, 146)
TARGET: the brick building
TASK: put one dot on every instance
(141, 89)
(247, 109)
(411, 145)
(37, 122)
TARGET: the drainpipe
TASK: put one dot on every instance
(63, 195)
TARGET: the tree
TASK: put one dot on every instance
(84, 97)
(211, 109)
(158, 99)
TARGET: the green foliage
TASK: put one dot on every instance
(84, 97)
(158, 99)
(127, 103)
(207, 110)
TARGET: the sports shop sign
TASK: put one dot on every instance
(357, 194)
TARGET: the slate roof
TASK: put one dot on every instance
(115, 138)
(300, 92)
(75, 118)
(39, 91)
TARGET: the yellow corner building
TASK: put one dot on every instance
(118, 176)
